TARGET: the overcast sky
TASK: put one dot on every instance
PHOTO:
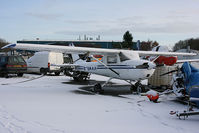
(166, 21)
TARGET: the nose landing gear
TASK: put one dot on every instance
(137, 88)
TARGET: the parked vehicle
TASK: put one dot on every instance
(44, 62)
(12, 64)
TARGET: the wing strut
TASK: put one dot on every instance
(105, 65)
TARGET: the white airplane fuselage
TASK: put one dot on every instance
(126, 70)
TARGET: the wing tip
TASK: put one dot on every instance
(9, 46)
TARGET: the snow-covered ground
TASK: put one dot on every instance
(55, 104)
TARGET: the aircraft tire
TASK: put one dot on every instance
(98, 88)
(139, 87)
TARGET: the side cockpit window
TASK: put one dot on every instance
(111, 59)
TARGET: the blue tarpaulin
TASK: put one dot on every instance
(191, 80)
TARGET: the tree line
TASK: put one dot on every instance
(183, 44)
(128, 43)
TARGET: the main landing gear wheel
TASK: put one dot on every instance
(98, 88)
(139, 88)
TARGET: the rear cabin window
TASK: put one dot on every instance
(111, 59)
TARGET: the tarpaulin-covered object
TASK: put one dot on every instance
(191, 81)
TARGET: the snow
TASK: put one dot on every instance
(55, 104)
(152, 92)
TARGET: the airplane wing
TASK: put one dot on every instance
(61, 49)
(188, 60)
(144, 53)
(68, 49)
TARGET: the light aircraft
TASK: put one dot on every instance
(116, 63)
